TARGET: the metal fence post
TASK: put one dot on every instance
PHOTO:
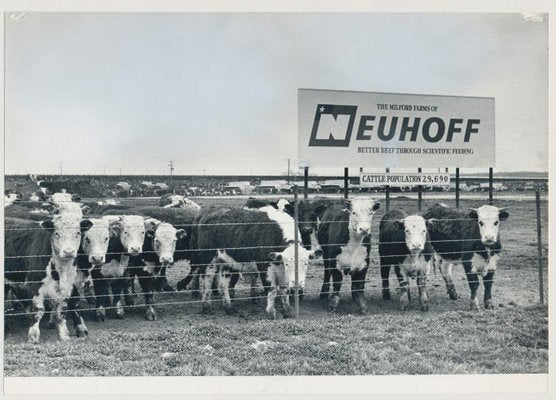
(539, 245)
(296, 249)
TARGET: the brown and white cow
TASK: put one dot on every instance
(41, 264)
(344, 234)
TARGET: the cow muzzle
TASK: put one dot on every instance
(68, 253)
(168, 260)
(134, 251)
(97, 260)
(489, 241)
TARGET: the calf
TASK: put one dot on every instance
(344, 234)
(471, 239)
(228, 242)
(41, 264)
(404, 243)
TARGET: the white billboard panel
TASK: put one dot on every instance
(364, 129)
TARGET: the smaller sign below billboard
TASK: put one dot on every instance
(410, 179)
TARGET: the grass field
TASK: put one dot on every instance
(448, 339)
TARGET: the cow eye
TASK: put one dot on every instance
(56, 234)
(87, 240)
(106, 239)
(496, 223)
(481, 223)
(126, 233)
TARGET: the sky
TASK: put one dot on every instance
(217, 93)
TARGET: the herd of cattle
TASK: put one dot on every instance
(61, 250)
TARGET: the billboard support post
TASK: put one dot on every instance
(387, 194)
(346, 182)
(539, 245)
(419, 194)
(490, 187)
(305, 182)
(457, 187)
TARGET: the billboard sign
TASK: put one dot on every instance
(365, 129)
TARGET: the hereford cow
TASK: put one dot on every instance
(405, 244)
(226, 242)
(471, 239)
(41, 264)
(344, 234)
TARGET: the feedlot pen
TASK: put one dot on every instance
(448, 339)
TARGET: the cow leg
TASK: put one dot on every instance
(102, 294)
(385, 277)
(488, 280)
(52, 315)
(182, 284)
(254, 291)
(263, 268)
(325, 290)
(162, 281)
(38, 308)
(233, 282)
(446, 271)
(147, 282)
(358, 289)
(61, 325)
(473, 281)
(336, 286)
(403, 281)
(285, 300)
(78, 322)
(117, 289)
(422, 285)
(270, 299)
(128, 287)
(207, 278)
(224, 279)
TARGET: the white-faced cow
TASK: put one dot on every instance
(344, 234)
(41, 264)
(227, 242)
(471, 239)
(405, 244)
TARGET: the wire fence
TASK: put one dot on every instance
(432, 280)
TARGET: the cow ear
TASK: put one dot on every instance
(399, 224)
(180, 234)
(86, 224)
(503, 214)
(315, 254)
(473, 213)
(274, 256)
(75, 197)
(320, 210)
(86, 209)
(116, 228)
(273, 204)
(376, 206)
(48, 207)
(151, 224)
(48, 225)
(289, 209)
(431, 222)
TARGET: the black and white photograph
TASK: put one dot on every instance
(275, 194)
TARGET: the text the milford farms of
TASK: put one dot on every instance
(432, 129)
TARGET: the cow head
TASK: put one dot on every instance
(308, 216)
(488, 218)
(286, 258)
(131, 230)
(415, 228)
(66, 230)
(95, 239)
(164, 238)
(361, 210)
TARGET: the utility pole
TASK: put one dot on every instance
(288, 171)
(61, 163)
(104, 170)
(171, 165)
(120, 172)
